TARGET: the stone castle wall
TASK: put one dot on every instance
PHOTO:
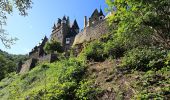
(48, 58)
(92, 32)
(29, 64)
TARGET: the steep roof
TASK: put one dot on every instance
(72, 33)
(64, 17)
(54, 27)
(59, 21)
(75, 25)
(101, 12)
(95, 13)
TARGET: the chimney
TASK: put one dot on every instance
(85, 21)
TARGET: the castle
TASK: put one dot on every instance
(68, 35)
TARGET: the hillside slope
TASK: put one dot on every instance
(73, 79)
(8, 63)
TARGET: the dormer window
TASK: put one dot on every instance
(101, 17)
(67, 40)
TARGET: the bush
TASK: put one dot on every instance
(87, 91)
(114, 50)
(94, 51)
(52, 46)
(143, 59)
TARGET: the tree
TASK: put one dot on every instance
(142, 21)
(52, 46)
(6, 7)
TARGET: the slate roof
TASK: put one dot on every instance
(64, 17)
(101, 13)
(96, 12)
(75, 25)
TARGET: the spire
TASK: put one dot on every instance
(95, 13)
(68, 21)
(54, 27)
(75, 25)
(59, 21)
(64, 17)
(101, 12)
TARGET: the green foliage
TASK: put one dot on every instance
(155, 85)
(87, 91)
(113, 49)
(141, 22)
(101, 50)
(94, 51)
(57, 80)
(8, 63)
(143, 59)
(52, 46)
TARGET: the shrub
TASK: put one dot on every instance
(94, 51)
(87, 91)
(52, 46)
(143, 59)
(114, 50)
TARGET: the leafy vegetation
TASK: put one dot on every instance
(59, 80)
(9, 63)
(52, 46)
(144, 59)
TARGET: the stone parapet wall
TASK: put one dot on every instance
(92, 32)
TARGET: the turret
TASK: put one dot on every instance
(94, 17)
(58, 22)
(54, 27)
(63, 20)
(68, 21)
(101, 15)
(75, 26)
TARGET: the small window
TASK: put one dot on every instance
(67, 40)
(101, 17)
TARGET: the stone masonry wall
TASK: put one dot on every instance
(48, 58)
(93, 32)
(29, 64)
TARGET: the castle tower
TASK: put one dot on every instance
(75, 26)
(58, 22)
(54, 27)
(101, 15)
(94, 17)
(64, 32)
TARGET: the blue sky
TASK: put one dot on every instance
(31, 29)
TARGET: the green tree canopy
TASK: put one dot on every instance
(142, 21)
(52, 46)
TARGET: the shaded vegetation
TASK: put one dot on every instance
(8, 63)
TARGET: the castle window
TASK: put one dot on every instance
(101, 17)
(67, 40)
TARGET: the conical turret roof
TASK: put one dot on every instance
(75, 25)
